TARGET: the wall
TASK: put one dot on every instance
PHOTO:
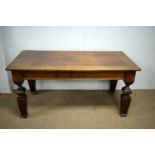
(137, 42)
(4, 84)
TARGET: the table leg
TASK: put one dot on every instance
(113, 84)
(22, 100)
(125, 100)
(126, 91)
(32, 85)
(21, 95)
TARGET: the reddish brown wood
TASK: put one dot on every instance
(21, 95)
(113, 84)
(49, 75)
(126, 91)
(72, 61)
(47, 65)
(22, 101)
(32, 85)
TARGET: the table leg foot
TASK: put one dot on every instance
(123, 115)
(24, 116)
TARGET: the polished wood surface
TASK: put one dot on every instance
(72, 61)
(49, 65)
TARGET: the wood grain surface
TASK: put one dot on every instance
(29, 60)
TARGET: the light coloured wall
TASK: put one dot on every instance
(137, 42)
(4, 84)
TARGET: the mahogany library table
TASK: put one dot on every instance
(49, 65)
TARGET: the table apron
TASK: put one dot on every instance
(49, 75)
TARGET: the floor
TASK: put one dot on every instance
(93, 109)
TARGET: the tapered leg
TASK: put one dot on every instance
(126, 91)
(113, 84)
(125, 100)
(22, 100)
(21, 95)
(32, 85)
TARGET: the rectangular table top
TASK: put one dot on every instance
(30, 60)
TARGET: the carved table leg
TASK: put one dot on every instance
(21, 95)
(125, 100)
(113, 84)
(32, 85)
(22, 100)
(125, 96)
